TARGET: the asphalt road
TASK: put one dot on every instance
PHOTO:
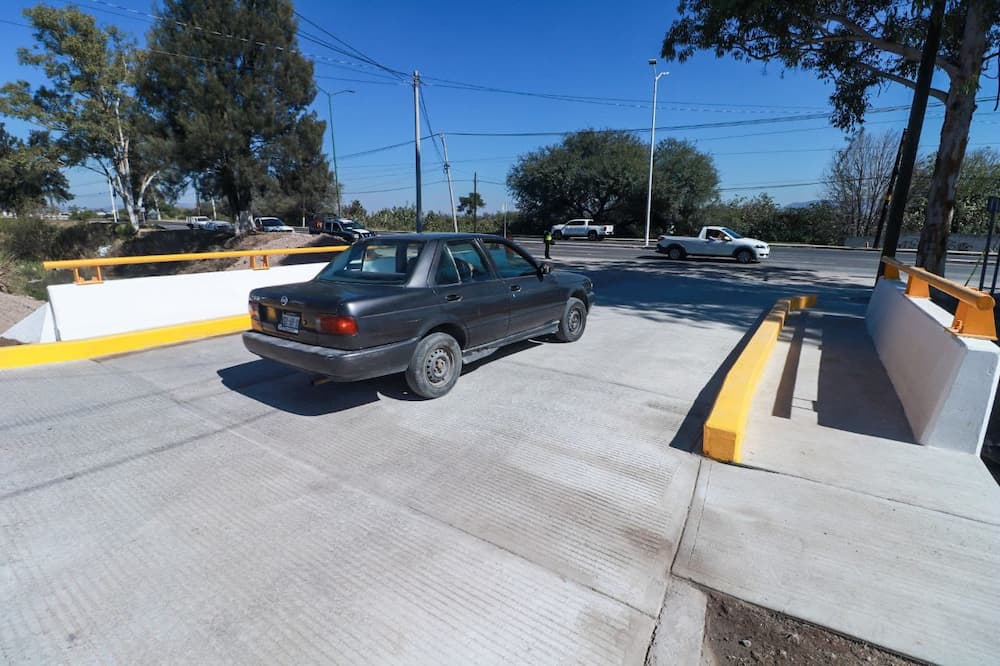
(858, 266)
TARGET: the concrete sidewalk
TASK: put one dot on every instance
(838, 518)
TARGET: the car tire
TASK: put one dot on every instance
(435, 366)
(557, 235)
(744, 256)
(592, 235)
(675, 253)
(573, 322)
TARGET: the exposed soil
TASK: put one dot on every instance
(14, 308)
(739, 633)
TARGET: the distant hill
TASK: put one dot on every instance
(803, 204)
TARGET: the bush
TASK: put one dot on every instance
(28, 238)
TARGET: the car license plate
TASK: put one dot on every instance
(289, 322)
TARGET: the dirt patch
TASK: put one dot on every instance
(14, 308)
(740, 633)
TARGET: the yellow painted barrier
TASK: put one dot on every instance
(726, 424)
(43, 353)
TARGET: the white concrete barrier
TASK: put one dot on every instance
(39, 326)
(120, 306)
(945, 382)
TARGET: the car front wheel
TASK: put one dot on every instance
(592, 235)
(557, 235)
(744, 256)
(573, 322)
(435, 366)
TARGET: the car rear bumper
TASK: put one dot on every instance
(338, 364)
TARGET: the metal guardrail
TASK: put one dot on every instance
(974, 314)
(97, 264)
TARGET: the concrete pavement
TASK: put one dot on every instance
(839, 518)
(194, 503)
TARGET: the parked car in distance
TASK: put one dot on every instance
(423, 304)
(219, 225)
(347, 230)
(714, 242)
(197, 221)
(582, 228)
(270, 224)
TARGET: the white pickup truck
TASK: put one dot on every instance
(582, 228)
(714, 242)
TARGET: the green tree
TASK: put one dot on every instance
(590, 174)
(91, 104)
(236, 100)
(684, 182)
(978, 180)
(30, 175)
(471, 203)
(860, 45)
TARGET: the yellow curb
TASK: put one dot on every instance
(726, 424)
(19, 356)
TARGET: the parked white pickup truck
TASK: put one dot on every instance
(583, 228)
(714, 242)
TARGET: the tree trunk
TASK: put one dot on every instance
(961, 105)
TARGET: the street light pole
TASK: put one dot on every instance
(652, 146)
(333, 145)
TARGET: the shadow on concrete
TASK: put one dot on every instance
(852, 391)
(292, 390)
(689, 434)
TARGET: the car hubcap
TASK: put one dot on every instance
(439, 365)
(575, 320)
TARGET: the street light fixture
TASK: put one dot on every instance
(333, 145)
(652, 145)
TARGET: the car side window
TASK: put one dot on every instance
(508, 261)
(461, 263)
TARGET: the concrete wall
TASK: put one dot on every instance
(119, 306)
(960, 242)
(946, 383)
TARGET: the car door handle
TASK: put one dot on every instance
(453, 297)
(515, 287)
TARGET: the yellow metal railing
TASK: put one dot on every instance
(97, 264)
(974, 314)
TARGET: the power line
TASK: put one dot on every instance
(359, 55)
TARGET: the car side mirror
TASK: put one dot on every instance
(544, 268)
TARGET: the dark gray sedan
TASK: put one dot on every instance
(422, 304)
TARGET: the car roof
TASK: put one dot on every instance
(435, 235)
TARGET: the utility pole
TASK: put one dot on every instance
(416, 133)
(888, 192)
(333, 152)
(475, 199)
(914, 127)
(451, 191)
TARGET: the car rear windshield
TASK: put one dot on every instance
(383, 262)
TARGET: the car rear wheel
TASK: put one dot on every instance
(744, 256)
(675, 253)
(557, 235)
(592, 235)
(435, 366)
(573, 322)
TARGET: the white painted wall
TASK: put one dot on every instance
(119, 306)
(946, 383)
(39, 326)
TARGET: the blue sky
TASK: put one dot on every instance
(585, 49)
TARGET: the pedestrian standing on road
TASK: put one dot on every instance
(548, 243)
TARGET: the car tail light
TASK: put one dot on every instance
(337, 325)
(252, 307)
